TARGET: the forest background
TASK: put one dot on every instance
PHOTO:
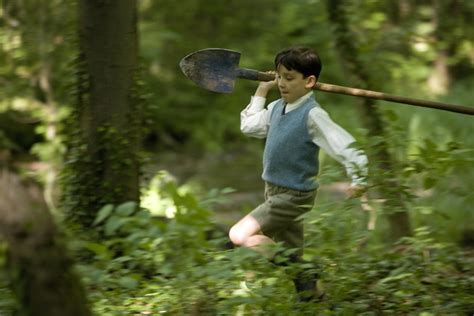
(407, 250)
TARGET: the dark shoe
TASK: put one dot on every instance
(308, 287)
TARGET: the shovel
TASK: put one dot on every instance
(216, 69)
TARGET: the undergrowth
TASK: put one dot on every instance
(146, 264)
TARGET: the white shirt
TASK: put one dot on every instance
(330, 137)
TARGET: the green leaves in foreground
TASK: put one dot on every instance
(147, 264)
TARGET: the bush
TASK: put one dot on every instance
(151, 265)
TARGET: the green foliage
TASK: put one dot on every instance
(170, 265)
(8, 301)
(178, 266)
(428, 174)
(419, 274)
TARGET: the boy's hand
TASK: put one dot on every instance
(265, 86)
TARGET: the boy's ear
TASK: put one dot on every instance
(311, 81)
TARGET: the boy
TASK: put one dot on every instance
(295, 128)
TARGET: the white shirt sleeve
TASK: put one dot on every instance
(336, 142)
(255, 119)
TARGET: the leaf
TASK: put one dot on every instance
(123, 259)
(128, 282)
(143, 214)
(99, 250)
(395, 277)
(103, 213)
(228, 190)
(112, 225)
(126, 209)
(429, 182)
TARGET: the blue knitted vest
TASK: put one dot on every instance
(290, 158)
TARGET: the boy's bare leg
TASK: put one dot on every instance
(247, 233)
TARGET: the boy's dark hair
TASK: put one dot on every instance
(302, 59)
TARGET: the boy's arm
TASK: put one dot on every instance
(336, 142)
(255, 119)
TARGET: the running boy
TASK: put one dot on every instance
(295, 128)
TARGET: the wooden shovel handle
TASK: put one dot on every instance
(331, 88)
(256, 75)
(326, 87)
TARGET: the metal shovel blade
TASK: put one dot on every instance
(214, 69)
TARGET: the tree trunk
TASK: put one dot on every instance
(105, 130)
(440, 77)
(38, 267)
(399, 10)
(381, 158)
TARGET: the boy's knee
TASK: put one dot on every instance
(237, 237)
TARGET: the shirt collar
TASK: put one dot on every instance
(294, 105)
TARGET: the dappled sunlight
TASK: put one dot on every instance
(152, 197)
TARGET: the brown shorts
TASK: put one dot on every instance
(278, 215)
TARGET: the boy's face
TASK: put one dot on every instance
(292, 84)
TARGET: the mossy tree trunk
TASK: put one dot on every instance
(104, 134)
(39, 269)
(380, 158)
